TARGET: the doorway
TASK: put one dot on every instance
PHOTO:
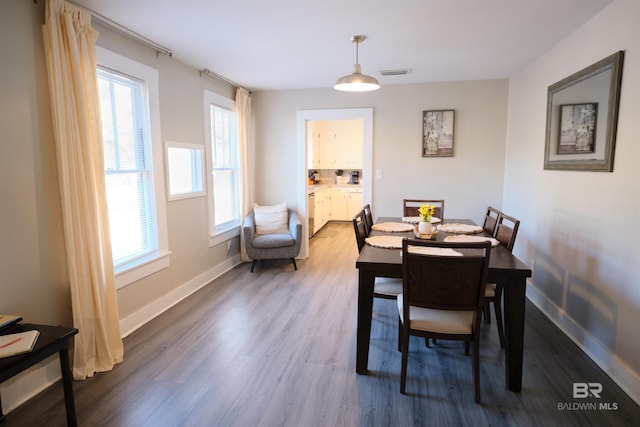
(304, 116)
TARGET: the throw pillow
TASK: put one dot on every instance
(271, 219)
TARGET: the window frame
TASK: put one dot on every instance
(196, 171)
(220, 234)
(139, 268)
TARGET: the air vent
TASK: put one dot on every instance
(394, 72)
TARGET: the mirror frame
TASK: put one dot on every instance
(608, 93)
(195, 173)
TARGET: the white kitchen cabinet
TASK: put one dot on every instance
(339, 211)
(336, 144)
(354, 202)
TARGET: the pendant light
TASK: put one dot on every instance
(357, 82)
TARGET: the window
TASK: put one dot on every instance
(222, 161)
(184, 175)
(131, 148)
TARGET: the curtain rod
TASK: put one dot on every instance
(124, 30)
(210, 73)
(142, 39)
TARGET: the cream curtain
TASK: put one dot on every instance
(243, 109)
(71, 62)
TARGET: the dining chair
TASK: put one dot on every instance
(490, 220)
(410, 207)
(383, 287)
(368, 216)
(442, 296)
(505, 232)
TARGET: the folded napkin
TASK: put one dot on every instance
(467, 238)
(416, 219)
(426, 250)
(392, 227)
(386, 242)
(456, 228)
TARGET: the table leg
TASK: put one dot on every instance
(67, 382)
(365, 310)
(514, 303)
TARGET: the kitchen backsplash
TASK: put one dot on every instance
(328, 176)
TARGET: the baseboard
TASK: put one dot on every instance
(612, 365)
(162, 304)
(25, 385)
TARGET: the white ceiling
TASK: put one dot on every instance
(296, 44)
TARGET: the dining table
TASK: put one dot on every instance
(504, 268)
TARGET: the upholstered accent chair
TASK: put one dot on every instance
(275, 244)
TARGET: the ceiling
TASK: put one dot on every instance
(301, 44)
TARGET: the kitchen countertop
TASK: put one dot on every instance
(321, 186)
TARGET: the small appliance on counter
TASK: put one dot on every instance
(355, 177)
(314, 176)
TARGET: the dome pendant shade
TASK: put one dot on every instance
(356, 82)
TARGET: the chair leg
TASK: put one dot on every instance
(405, 360)
(253, 264)
(487, 312)
(399, 334)
(498, 309)
(476, 368)
(293, 260)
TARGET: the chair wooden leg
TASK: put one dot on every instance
(498, 309)
(253, 264)
(405, 360)
(487, 312)
(399, 334)
(293, 260)
(476, 368)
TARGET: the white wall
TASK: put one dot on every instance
(580, 230)
(469, 181)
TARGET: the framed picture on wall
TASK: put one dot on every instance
(437, 133)
(582, 118)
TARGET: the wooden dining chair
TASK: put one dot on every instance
(410, 207)
(383, 287)
(505, 232)
(442, 296)
(368, 216)
(490, 220)
(360, 228)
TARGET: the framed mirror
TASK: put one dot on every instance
(582, 117)
(184, 170)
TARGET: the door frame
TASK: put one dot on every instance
(303, 116)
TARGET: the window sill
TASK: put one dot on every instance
(128, 274)
(223, 236)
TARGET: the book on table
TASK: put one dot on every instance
(7, 320)
(18, 343)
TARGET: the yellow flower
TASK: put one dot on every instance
(425, 212)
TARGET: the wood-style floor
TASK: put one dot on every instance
(277, 348)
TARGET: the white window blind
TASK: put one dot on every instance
(128, 166)
(224, 169)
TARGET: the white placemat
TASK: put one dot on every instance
(468, 238)
(456, 228)
(386, 242)
(425, 250)
(392, 227)
(416, 219)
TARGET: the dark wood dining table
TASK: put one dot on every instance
(504, 268)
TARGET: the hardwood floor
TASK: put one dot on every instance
(277, 348)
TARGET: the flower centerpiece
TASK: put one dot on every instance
(425, 212)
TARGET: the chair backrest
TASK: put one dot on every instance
(491, 220)
(410, 207)
(360, 229)
(368, 216)
(506, 231)
(444, 282)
